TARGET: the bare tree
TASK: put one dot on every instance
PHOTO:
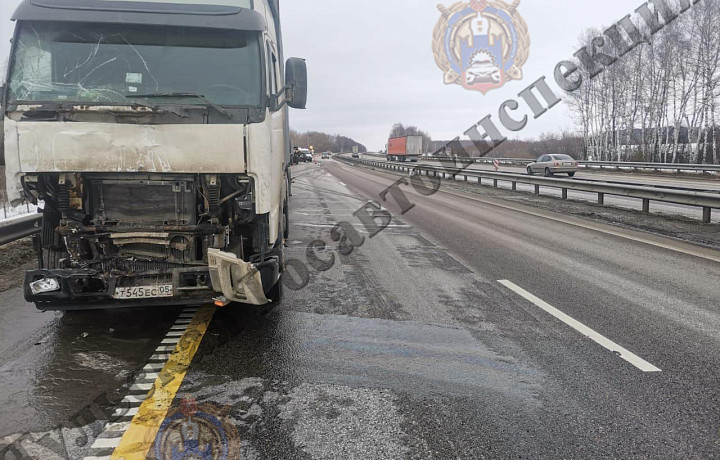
(658, 102)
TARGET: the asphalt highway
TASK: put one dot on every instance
(468, 328)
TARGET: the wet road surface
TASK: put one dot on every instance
(408, 347)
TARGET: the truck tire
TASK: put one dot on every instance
(286, 214)
(52, 247)
(276, 294)
(51, 258)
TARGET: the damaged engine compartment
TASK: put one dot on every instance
(150, 239)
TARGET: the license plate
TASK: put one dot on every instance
(144, 292)
(567, 164)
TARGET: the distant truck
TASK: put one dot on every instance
(406, 148)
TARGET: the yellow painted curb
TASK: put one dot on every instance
(140, 436)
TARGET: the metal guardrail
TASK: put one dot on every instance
(615, 165)
(15, 229)
(677, 195)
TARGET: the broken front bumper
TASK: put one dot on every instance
(231, 278)
(79, 289)
(241, 281)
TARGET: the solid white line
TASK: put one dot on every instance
(343, 184)
(586, 331)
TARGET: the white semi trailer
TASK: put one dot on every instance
(154, 134)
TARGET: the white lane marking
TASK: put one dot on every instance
(133, 400)
(580, 327)
(157, 367)
(165, 349)
(106, 443)
(138, 392)
(125, 413)
(150, 376)
(343, 184)
(142, 387)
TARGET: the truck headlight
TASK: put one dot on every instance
(44, 285)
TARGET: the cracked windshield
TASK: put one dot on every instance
(116, 63)
(376, 230)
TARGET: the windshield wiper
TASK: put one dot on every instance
(207, 101)
(32, 110)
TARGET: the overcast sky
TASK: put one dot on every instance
(371, 63)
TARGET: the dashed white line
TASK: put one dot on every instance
(105, 443)
(586, 331)
(343, 184)
(112, 433)
(142, 387)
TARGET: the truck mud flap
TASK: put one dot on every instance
(237, 280)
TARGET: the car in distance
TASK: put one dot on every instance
(326, 155)
(554, 164)
(305, 155)
(356, 155)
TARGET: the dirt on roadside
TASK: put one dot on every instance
(15, 259)
(672, 226)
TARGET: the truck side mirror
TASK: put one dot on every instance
(296, 79)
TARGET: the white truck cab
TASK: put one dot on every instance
(154, 134)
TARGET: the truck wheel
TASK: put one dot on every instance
(51, 258)
(276, 294)
(286, 214)
(50, 242)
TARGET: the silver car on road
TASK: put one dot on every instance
(554, 164)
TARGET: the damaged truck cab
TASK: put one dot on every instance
(154, 136)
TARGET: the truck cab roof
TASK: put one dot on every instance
(223, 14)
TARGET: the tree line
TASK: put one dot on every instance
(322, 142)
(657, 103)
